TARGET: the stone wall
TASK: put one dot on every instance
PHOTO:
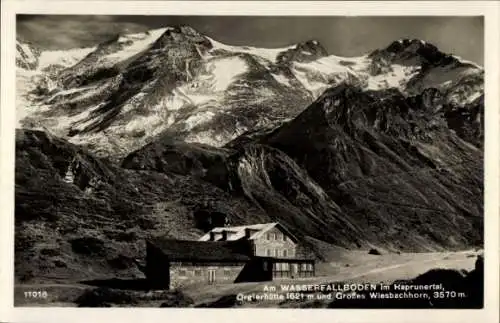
(263, 244)
(185, 274)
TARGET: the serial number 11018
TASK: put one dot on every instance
(36, 294)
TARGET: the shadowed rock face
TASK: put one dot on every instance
(303, 52)
(392, 165)
(373, 167)
(406, 50)
(468, 121)
(264, 176)
(172, 156)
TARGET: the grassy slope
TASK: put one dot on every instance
(64, 231)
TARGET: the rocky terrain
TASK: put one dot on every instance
(358, 163)
(152, 133)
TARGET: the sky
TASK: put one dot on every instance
(343, 36)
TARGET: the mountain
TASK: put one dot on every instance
(124, 93)
(37, 72)
(160, 132)
(391, 162)
(366, 167)
(262, 175)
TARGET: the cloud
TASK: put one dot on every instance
(59, 32)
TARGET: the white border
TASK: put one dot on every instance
(490, 9)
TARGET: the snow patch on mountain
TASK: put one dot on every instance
(68, 92)
(214, 138)
(186, 95)
(198, 119)
(26, 54)
(281, 79)
(78, 121)
(439, 76)
(148, 123)
(473, 97)
(329, 65)
(269, 54)
(133, 44)
(64, 58)
(464, 61)
(225, 71)
(316, 76)
(397, 77)
(24, 86)
(313, 86)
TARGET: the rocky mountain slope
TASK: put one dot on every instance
(154, 133)
(392, 163)
(75, 211)
(374, 165)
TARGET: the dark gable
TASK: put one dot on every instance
(187, 250)
(286, 232)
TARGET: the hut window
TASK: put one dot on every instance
(310, 267)
(227, 273)
(275, 236)
(268, 252)
(285, 253)
(304, 267)
(197, 272)
(268, 236)
(182, 272)
(284, 237)
(277, 252)
(286, 266)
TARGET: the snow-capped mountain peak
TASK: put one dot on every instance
(120, 94)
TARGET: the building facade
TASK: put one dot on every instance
(260, 252)
(189, 273)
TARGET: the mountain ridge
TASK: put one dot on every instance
(175, 80)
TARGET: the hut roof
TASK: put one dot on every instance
(258, 230)
(188, 250)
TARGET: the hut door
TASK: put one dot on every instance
(295, 269)
(211, 276)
